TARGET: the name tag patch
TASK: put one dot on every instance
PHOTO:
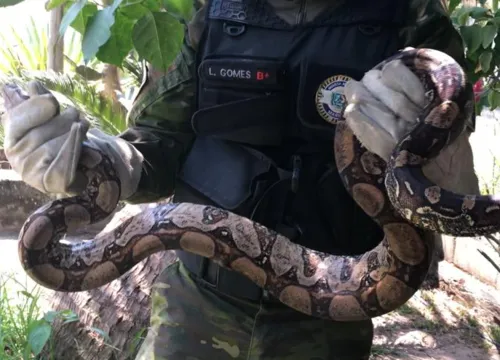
(243, 72)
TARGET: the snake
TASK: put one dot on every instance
(395, 194)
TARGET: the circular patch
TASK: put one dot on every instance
(330, 99)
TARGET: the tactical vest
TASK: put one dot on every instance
(269, 95)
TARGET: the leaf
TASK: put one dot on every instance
(472, 36)
(86, 97)
(5, 3)
(158, 38)
(82, 19)
(38, 336)
(69, 316)
(71, 15)
(182, 8)
(495, 21)
(50, 316)
(88, 73)
(453, 5)
(72, 319)
(120, 42)
(52, 4)
(136, 10)
(462, 16)
(485, 61)
(494, 99)
(478, 12)
(98, 30)
(25, 293)
(489, 33)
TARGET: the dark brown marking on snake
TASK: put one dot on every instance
(340, 288)
(346, 270)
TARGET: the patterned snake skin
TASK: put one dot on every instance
(342, 288)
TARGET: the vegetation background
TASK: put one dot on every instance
(89, 53)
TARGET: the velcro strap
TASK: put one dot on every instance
(243, 73)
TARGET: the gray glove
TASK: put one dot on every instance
(43, 146)
(384, 106)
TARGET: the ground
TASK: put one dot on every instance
(459, 321)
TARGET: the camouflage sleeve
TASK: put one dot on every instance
(160, 119)
(430, 26)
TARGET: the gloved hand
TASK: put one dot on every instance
(43, 146)
(384, 106)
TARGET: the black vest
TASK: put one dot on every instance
(268, 97)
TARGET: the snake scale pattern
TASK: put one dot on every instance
(396, 195)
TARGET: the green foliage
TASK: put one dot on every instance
(149, 42)
(86, 97)
(23, 57)
(5, 3)
(74, 90)
(26, 49)
(152, 28)
(479, 28)
(24, 330)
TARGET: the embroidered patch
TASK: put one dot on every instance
(330, 99)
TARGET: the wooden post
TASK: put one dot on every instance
(55, 56)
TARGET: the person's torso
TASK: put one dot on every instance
(269, 94)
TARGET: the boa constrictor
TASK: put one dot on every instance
(342, 288)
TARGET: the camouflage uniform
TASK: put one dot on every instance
(190, 320)
(195, 323)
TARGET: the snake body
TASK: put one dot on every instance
(342, 288)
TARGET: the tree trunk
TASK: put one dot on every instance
(55, 56)
(112, 84)
(120, 309)
(112, 79)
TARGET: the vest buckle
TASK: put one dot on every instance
(233, 29)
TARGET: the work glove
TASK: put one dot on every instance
(43, 146)
(384, 106)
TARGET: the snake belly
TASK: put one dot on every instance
(339, 288)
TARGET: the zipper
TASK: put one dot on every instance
(301, 15)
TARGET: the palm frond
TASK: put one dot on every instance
(86, 97)
(133, 68)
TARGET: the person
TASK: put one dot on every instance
(244, 119)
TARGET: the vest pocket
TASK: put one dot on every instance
(225, 173)
(256, 119)
(241, 100)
